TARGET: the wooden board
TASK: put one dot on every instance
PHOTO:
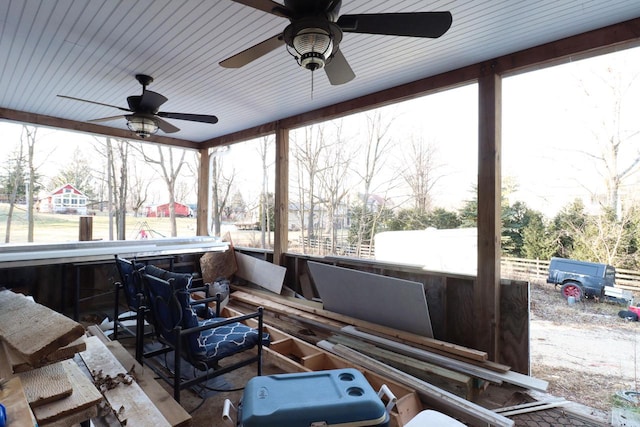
(46, 330)
(328, 319)
(175, 414)
(396, 303)
(13, 398)
(261, 273)
(19, 364)
(84, 396)
(435, 397)
(46, 384)
(129, 401)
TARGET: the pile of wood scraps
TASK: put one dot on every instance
(445, 376)
(37, 346)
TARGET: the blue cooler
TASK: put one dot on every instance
(322, 398)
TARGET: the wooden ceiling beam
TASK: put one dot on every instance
(72, 125)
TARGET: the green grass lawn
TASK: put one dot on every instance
(52, 228)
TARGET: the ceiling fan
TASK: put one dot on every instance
(315, 31)
(145, 119)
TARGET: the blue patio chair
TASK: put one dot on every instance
(202, 343)
(130, 285)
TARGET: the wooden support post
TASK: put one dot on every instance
(280, 240)
(203, 209)
(486, 293)
(86, 228)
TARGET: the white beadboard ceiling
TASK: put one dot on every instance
(92, 50)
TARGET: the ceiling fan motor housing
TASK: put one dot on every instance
(313, 40)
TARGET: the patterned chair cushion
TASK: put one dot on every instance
(226, 340)
(209, 345)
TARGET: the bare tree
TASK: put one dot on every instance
(168, 163)
(138, 189)
(30, 138)
(221, 188)
(421, 172)
(116, 157)
(617, 136)
(306, 152)
(333, 179)
(14, 185)
(77, 172)
(265, 147)
(376, 149)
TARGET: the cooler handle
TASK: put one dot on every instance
(226, 412)
(385, 391)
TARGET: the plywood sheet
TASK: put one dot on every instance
(84, 396)
(46, 329)
(261, 273)
(396, 303)
(46, 384)
(129, 401)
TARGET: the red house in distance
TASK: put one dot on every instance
(162, 211)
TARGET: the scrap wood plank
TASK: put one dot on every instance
(84, 396)
(14, 400)
(129, 402)
(435, 397)
(19, 364)
(259, 272)
(290, 307)
(46, 330)
(46, 384)
(75, 418)
(510, 377)
(175, 414)
(524, 408)
(170, 409)
(447, 379)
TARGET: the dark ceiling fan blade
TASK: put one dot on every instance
(107, 119)
(151, 101)
(202, 118)
(94, 102)
(165, 126)
(254, 52)
(417, 24)
(267, 6)
(338, 70)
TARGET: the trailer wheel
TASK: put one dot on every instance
(571, 289)
(628, 315)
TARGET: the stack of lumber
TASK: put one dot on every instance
(446, 376)
(37, 346)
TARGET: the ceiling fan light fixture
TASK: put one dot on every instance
(144, 127)
(312, 47)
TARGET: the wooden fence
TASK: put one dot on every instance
(325, 247)
(533, 269)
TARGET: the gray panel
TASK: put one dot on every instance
(387, 301)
